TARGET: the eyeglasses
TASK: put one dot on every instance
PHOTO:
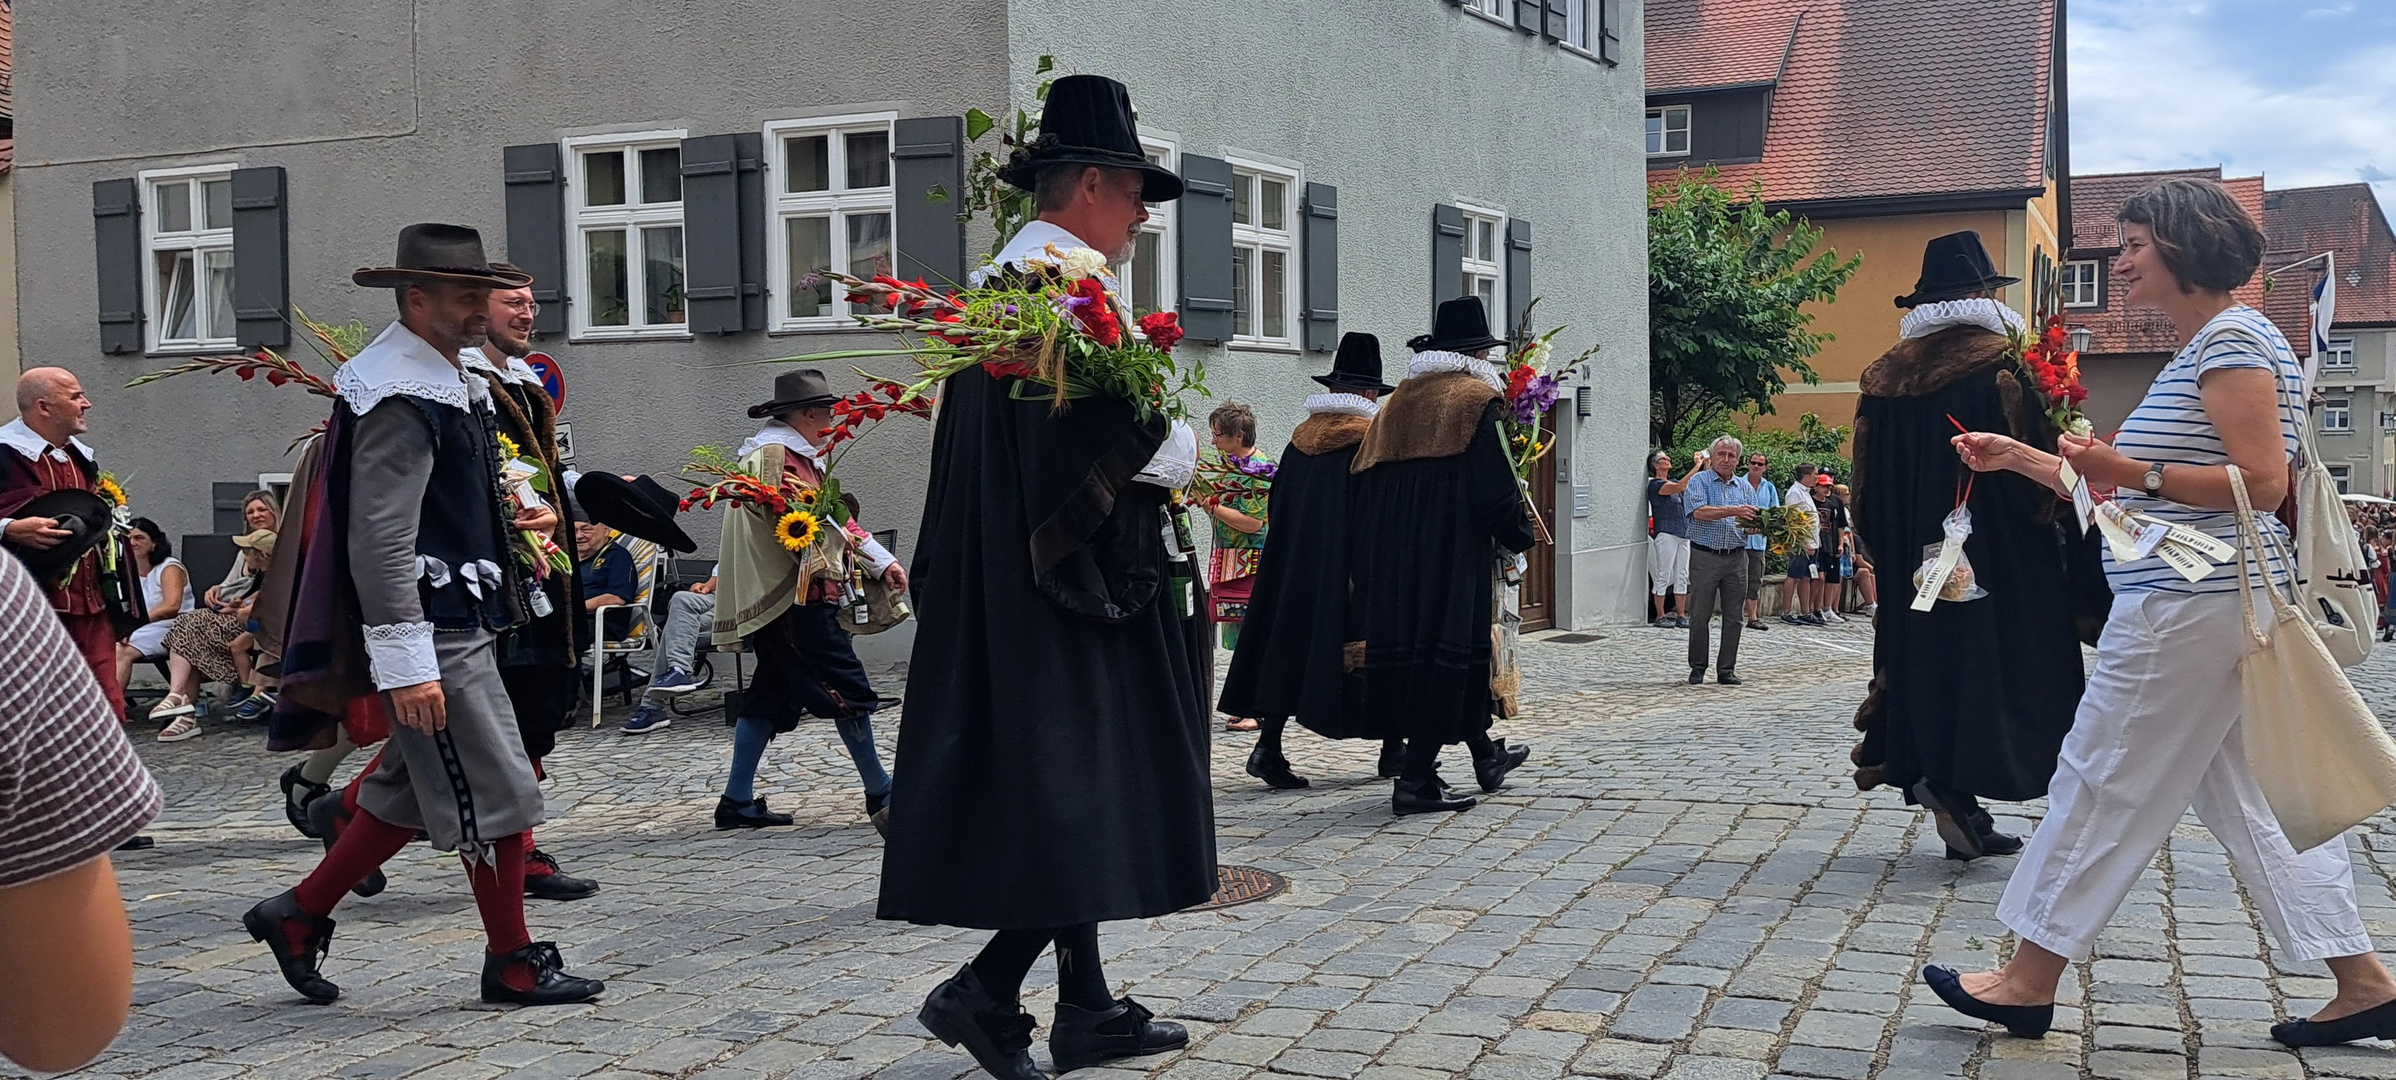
(526, 307)
(1759, 463)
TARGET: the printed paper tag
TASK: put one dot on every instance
(1949, 553)
(2190, 565)
(2083, 503)
(2111, 521)
(2148, 535)
(2212, 547)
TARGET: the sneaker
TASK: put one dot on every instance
(1793, 619)
(1832, 617)
(1813, 619)
(646, 719)
(253, 708)
(172, 705)
(180, 728)
(674, 681)
(1871, 611)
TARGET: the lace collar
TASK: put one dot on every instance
(508, 368)
(1343, 404)
(1977, 311)
(777, 433)
(23, 440)
(398, 363)
(1426, 363)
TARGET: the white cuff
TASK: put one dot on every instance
(401, 655)
(877, 557)
(1176, 462)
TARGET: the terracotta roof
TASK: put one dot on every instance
(2119, 328)
(2345, 218)
(8, 62)
(1879, 98)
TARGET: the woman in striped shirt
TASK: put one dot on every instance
(2157, 732)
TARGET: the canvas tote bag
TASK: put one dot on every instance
(2321, 758)
(2332, 580)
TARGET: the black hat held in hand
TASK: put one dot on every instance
(1954, 266)
(1088, 121)
(80, 513)
(1357, 367)
(636, 507)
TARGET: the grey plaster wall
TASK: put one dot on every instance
(384, 114)
(1404, 104)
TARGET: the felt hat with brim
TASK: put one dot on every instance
(430, 251)
(638, 507)
(1357, 365)
(1462, 326)
(798, 389)
(1954, 266)
(83, 515)
(1088, 121)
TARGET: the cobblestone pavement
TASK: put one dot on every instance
(1681, 884)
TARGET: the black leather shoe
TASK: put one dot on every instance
(1993, 842)
(266, 923)
(298, 792)
(1427, 798)
(877, 810)
(550, 983)
(749, 815)
(1728, 678)
(1963, 841)
(1274, 770)
(1696, 676)
(1393, 760)
(2376, 1022)
(325, 815)
(1081, 1038)
(998, 1036)
(551, 883)
(1492, 772)
(2027, 1021)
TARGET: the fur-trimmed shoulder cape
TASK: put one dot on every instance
(1429, 416)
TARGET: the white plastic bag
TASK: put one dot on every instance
(1946, 572)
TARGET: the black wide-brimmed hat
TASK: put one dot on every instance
(1462, 326)
(637, 507)
(1088, 121)
(1357, 366)
(83, 515)
(430, 251)
(795, 390)
(1954, 266)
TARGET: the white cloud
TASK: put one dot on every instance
(2150, 89)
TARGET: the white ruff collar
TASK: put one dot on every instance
(1977, 311)
(398, 363)
(1426, 363)
(23, 440)
(1344, 404)
(777, 433)
(509, 368)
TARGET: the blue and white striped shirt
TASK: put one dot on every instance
(2170, 426)
(1710, 489)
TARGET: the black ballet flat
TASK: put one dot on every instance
(2376, 1022)
(2025, 1021)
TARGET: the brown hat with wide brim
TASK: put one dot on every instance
(430, 251)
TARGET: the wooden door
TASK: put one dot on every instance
(1539, 581)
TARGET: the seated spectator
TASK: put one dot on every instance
(165, 593)
(608, 578)
(689, 617)
(203, 643)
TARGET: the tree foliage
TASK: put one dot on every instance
(1726, 281)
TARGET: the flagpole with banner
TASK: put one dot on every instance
(2324, 311)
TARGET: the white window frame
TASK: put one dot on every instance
(1260, 239)
(1487, 265)
(631, 218)
(1492, 10)
(1577, 26)
(2087, 293)
(1161, 221)
(1664, 134)
(199, 240)
(2343, 474)
(2337, 414)
(2339, 356)
(839, 203)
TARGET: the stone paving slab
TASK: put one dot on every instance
(1682, 884)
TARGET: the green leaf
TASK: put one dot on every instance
(1047, 64)
(939, 193)
(977, 124)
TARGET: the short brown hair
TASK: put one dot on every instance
(1235, 419)
(2206, 239)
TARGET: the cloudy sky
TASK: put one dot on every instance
(2301, 91)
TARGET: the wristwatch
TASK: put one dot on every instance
(2154, 480)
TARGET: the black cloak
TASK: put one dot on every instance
(1973, 696)
(541, 661)
(1431, 500)
(1290, 661)
(1053, 753)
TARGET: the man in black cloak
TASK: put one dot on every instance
(1432, 500)
(1971, 699)
(1291, 657)
(1054, 755)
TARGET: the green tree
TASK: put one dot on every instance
(1726, 279)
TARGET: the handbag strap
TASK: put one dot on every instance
(2250, 553)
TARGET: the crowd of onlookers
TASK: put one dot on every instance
(203, 637)
(1825, 577)
(2375, 524)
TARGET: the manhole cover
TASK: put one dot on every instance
(1243, 885)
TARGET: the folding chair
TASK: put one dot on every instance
(648, 561)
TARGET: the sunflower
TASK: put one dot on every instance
(797, 530)
(508, 450)
(107, 488)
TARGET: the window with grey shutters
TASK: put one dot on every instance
(1530, 15)
(1518, 272)
(627, 266)
(832, 205)
(1609, 30)
(261, 259)
(1206, 249)
(116, 255)
(1447, 255)
(187, 258)
(723, 233)
(927, 159)
(536, 227)
(1322, 267)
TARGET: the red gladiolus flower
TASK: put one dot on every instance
(246, 373)
(1162, 328)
